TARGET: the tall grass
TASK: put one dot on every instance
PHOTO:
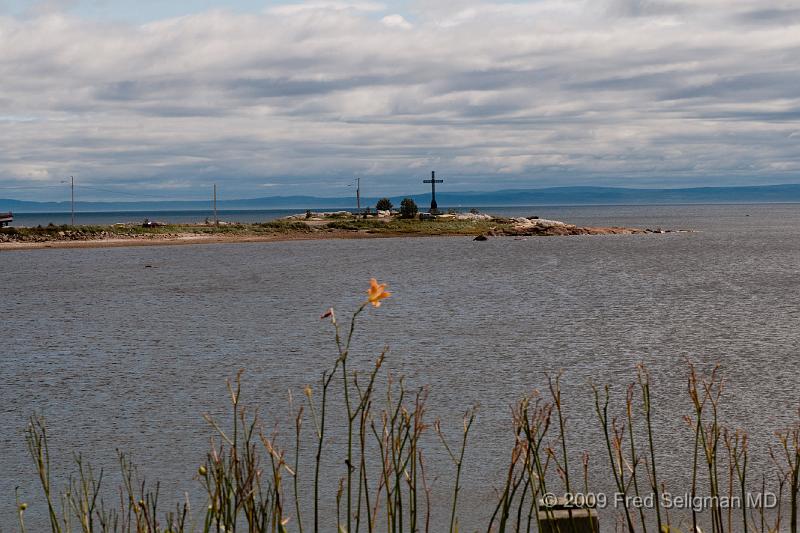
(255, 483)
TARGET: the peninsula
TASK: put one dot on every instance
(337, 225)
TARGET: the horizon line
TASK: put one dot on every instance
(441, 194)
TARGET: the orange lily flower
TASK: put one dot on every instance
(377, 292)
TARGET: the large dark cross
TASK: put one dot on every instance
(433, 181)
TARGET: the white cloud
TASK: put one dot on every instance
(292, 9)
(536, 93)
(396, 21)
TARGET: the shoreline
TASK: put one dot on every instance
(189, 239)
(193, 239)
(481, 228)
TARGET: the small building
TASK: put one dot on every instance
(6, 219)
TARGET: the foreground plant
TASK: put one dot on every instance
(255, 483)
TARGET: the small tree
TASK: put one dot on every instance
(408, 208)
(384, 204)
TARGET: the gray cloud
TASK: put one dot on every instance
(770, 17)
(276, 87)
(548, 92)
(647, 8)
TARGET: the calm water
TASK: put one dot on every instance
(122, 356)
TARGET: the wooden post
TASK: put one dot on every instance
(216, 220)
(560, 518)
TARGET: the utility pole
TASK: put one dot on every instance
(216, 220)
(358, 194)
(72, 197)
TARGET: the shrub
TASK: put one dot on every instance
(408, 208)
(283, 226)
(384, 204)
(348, 225)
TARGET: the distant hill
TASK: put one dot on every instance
(510, 197)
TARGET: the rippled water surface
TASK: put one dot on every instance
(118, 355)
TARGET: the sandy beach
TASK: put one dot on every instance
(193, 238)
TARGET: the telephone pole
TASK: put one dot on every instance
(216, 220)
(72, 197)
(358, 194)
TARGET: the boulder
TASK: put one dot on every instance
(473, 216)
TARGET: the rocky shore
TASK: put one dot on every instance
(71, 235)
(535, 226)
(339, 225)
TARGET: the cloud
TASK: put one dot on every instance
(550, 92)
(307, 7)
(770, 17)
(396, 21)
(649, 8)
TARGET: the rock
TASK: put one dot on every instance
(473, 216)
(481, 238)
(541, 225)
(543, 222)
(384, 213)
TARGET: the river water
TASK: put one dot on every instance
(128, 347)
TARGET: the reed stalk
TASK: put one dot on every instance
(296, 478)
(36, 438)
(458, 460)
(790, 445)
(644, 383)
(634, 457)
(616, 466)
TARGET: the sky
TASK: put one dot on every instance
(160, 100)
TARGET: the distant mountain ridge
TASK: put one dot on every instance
(507, 197)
